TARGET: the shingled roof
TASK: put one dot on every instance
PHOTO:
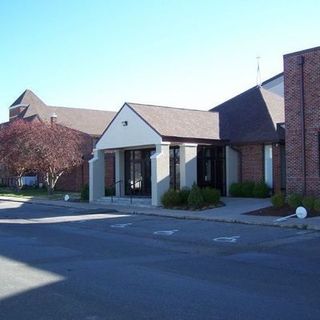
(179, 123)
(251, 116)
(89, 121)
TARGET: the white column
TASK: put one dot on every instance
(232, 167)
(188, 164)
(96, 175)
(160, 174)
(119, 172)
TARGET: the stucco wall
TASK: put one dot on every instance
(135, 133)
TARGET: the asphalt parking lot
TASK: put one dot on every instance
(60, 263)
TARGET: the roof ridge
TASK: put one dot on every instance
(248, 90)
(272, 78)
(166, 107)
(234, 97)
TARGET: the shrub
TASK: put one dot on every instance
(316, 205)
(109, 191)
(247, 189)
(294, 200)
(170, 199)
(84, 195)
(278, 200)
(308, 202)
(210, 195)
(235, 190)
(195, 199)
(260, 190)
(183, 195)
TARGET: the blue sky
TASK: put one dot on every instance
(189, 53)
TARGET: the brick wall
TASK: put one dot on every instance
(79, 176)
(252, 162)
(295, 155)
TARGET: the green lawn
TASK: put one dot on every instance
(37, 194)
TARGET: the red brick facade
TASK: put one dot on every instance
(78, 177)
(252, 162)
(302, 100)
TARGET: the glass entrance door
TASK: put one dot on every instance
(138, 172)
(211, 167)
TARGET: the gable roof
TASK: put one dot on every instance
(252, 116)
(28, 98)
(171, 122)
(89, 121)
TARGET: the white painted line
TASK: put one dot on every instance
(165, 232)
(121, 225)
(231, 239)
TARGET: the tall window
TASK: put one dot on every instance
(175, 168)
(268, 165)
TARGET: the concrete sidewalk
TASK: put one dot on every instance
(232, 212)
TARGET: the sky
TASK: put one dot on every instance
(185, 53)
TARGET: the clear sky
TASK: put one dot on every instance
(189, 53)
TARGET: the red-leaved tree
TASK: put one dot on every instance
(49, 149)
(15, 149)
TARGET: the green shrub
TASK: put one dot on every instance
(84, 195)
(109, 191)
(308, 202)
(278, 200)
(183, 195)
(260, 190)
(235, 190)
(195, 199)
(210, 195)
(316, 205)
(170, 199)
(247, 189)
(294, 200)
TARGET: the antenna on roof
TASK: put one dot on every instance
(258, 72)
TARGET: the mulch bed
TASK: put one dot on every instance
(279, 212)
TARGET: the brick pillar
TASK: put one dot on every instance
(301, 88)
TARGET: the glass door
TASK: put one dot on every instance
(138, 172)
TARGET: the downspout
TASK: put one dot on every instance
(240, 160)
(302, 119)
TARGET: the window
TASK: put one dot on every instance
(175, 168)
(268, 168)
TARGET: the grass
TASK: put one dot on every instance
(40, 194)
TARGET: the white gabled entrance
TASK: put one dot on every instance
(142, 159)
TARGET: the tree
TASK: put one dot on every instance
(49, 149)
(15, 152)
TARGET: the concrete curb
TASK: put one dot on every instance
(241, 219)
(60, 204)
(304, 226)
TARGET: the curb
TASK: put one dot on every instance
(223, 220)
(305, 226)
(59, 205)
